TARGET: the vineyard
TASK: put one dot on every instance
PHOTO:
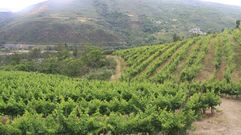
(212, 57)
(32, 103)
(164, 89)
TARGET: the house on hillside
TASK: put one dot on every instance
(197, 31)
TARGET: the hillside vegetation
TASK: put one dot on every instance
(204, 58)
(4, 16)
(34, 103)
(115, 23)
(88, 62)
(157, 94)
(156, 89)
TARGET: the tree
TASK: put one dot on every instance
(63, 51)
(237, 23)
(93, 56)
(15, 59)
(176, 37)
(75, 52)
(35, 53)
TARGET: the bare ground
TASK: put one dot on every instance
(208, 64)
(237, 73)
(181, 65)
(221, 71)
(155, 59)
(227, 121)
(120, 66)
(160, 68)
(167, 61)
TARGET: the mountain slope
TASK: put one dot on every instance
(204, 58)
(115, 22)
(4, 16)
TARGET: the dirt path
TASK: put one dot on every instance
(225, 122)
(120, 65)
(165, 62)
(181, 65)
(208, 68)
(237, 73)
(153, 60)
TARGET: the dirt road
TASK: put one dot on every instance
(120, 65)
(226, 122)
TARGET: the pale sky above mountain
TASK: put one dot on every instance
(17, 5)
(229, 2)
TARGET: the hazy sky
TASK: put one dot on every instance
(17, 5)
(230, 2)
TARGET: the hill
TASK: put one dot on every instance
(115, 23)
(189, 77)
(4, 16)
(203, 58)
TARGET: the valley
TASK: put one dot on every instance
(154, 89)
(121, 67)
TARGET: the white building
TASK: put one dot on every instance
(197, 31)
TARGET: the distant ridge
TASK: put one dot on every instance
(114, 23)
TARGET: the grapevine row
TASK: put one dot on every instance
(32, 103)
(134, 70)
(167, 70)
(194, 63)
(159, 61)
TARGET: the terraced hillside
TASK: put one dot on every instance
(211, 57)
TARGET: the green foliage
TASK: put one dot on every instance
(93, 57)
(60, 105)
(185, 60)
(89, 62)
(138, 56)
(9, 130)
(35, 53)
(229, 55)
(218, 54)
(237, 23)
(195, 61)
(114, 24)
(167, 70)
(176, 37)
